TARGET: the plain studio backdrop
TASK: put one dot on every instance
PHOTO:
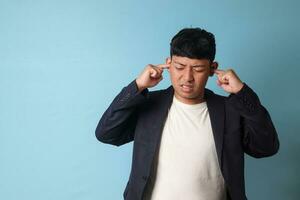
(62, 63)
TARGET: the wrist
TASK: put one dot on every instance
(139, 86)
(240, 87)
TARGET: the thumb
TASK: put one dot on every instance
(153, 73)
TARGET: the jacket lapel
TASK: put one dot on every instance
(215, 105)
(159, 115)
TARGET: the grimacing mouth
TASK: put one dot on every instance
(187, 85)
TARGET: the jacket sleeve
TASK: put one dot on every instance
(117, 124)
(260, 138)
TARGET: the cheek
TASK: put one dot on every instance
(201, 78)
(173, 74)
(175, 77)
(201, 75)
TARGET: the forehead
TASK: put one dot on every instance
(190, 61)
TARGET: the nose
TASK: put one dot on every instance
(188, 74)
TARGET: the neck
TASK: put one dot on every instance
(192, 100)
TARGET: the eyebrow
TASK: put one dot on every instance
(192, 66)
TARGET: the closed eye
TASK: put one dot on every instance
(179, 67)
(198, 69)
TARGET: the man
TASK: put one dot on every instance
(189, 142)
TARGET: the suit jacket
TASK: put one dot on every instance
(240, 124)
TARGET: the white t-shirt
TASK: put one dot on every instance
(186, 166)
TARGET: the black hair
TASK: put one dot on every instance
(195, 43)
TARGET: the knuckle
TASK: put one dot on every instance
(149, 66)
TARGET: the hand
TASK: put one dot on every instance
(229, 81)
(151, 76)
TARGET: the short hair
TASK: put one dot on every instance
(193, 43)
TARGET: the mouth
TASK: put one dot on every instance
(186, 87)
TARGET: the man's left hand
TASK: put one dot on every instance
(228, 80)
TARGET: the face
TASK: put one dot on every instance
(189, 77)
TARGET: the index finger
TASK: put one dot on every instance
(163, 66)
(219, 71)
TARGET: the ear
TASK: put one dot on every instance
(214, 65)
(168, 61)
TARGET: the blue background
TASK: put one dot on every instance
(62, 63)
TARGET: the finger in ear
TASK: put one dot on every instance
(168, 60)
(214, 65)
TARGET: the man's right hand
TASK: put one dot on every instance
(151, 76)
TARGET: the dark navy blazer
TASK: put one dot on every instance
(240, 124)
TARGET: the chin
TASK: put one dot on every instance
(187, 95)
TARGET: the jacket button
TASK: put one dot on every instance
(145, 178)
